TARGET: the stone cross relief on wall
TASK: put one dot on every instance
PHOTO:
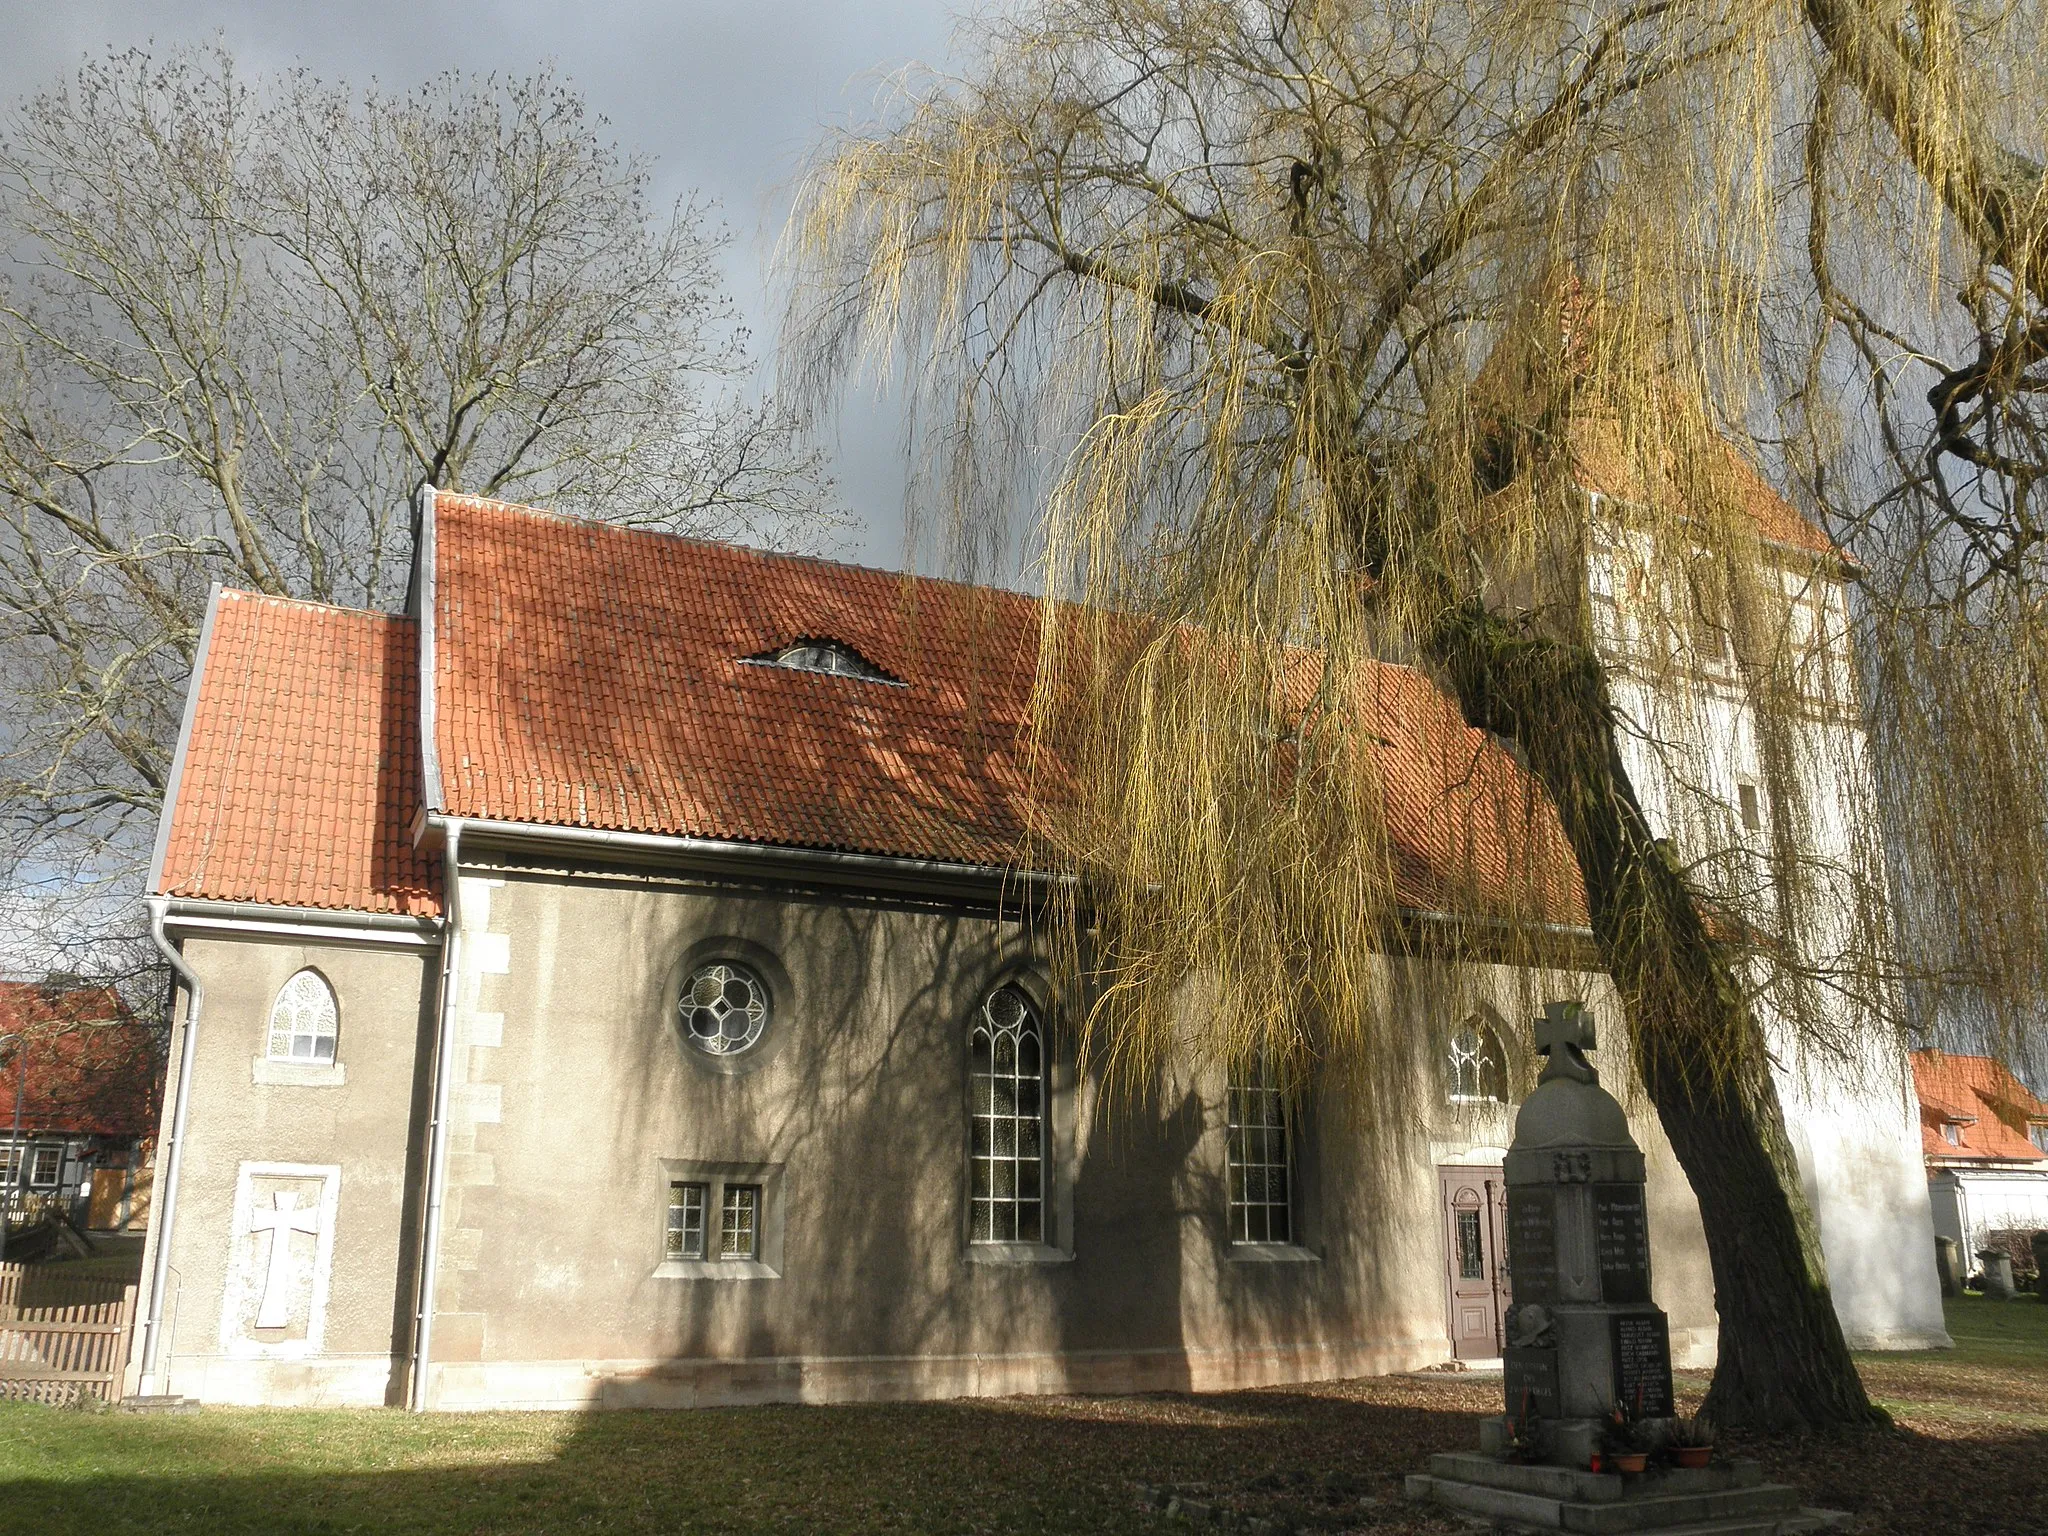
(274, 1301)
(280, 1221)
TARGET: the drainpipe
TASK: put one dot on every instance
(437, 1123)
(19, 1152)
(171, 1157)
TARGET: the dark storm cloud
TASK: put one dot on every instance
(724, 97)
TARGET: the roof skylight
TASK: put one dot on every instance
(835, 658)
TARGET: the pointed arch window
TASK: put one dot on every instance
(302, 1021)
(1478, 1065)
(1006, 1154)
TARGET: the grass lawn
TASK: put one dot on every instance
(1968, 1457)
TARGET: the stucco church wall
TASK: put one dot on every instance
(1857, 1135)
(364, 1126)
(573, 1095)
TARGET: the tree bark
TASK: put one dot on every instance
(1698, 1046)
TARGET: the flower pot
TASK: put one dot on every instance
(1627, 1461)
(1692, 1455)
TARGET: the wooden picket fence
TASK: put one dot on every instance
(62, 1337)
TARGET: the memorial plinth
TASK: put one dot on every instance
(1588, 1353)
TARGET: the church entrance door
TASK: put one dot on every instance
(1475, 1217)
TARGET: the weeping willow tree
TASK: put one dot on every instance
(1371, 342)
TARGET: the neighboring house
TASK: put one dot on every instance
(87, 1074)
(1985, 1137)
(620, 987)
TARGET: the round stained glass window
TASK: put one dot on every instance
(724, 1009)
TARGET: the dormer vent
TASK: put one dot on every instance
(833, 657)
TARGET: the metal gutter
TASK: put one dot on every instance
(437, 1123)
(305, 923)
(163, 820)
(869, 871)
(865, 870)
(164, 1217)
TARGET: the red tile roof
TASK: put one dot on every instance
(596, 676)
(1601, 464)
(92, 1066)
(299, 773)
(1990, 1108)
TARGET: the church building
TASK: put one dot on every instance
(614, 981)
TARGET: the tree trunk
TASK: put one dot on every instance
(1697, 1045)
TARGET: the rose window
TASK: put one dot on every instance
(724, 1009)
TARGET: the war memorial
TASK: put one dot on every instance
(1588, 1437)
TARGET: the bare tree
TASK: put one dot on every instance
(240, 322)
(1336, 310)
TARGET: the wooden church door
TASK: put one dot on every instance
(1475, 1252)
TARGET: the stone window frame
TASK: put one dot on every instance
(1060, 1138)
(769, 1220)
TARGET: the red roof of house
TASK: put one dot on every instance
(1990, 1108)
(1600, 463)
(595, 676)
(92, 1067)
(299, 767)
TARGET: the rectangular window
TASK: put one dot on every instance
(686, 1220)
(48, 1160)
(739, 1225)
(1952, 1134)
(1471, 1256)
(1261, 1199)
(1751, 806)
(1707, 607)
(10, 1164)
(2038, 1131)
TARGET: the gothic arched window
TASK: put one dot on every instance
(1006, 1157)
(302, 1020)
(1478, 1065)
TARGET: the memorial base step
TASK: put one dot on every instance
(1728, 1500)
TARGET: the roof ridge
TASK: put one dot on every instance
(315, 603)
(578, 520)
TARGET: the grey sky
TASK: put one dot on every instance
(724, 96)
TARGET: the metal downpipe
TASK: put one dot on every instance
(437, 1123)
(173, 1156)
